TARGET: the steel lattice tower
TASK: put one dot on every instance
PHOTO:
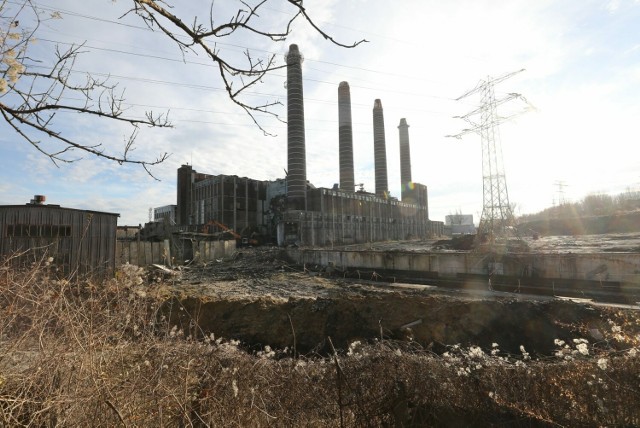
(497, 215)
(496, 211)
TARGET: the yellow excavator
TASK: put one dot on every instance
(207, 228)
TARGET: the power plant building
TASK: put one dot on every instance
(166, 213)
(237, 202)
(337, 217)
(292, 210)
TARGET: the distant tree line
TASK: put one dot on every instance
(597, 204)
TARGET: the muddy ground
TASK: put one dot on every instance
(260, 299)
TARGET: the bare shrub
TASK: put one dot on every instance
(101, 354)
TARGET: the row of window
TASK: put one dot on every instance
(42, 230)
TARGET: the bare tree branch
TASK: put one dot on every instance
(30, 99)
(303, 11)
(33, 94)
(156, 15)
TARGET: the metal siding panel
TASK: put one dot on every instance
(91, 245)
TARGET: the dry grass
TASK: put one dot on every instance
(99, 354)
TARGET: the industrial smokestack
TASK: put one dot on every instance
(345, 138)
(405, 158)
(296, 156)
(185, 194)
(380, 150)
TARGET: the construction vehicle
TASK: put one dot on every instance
(240, 240)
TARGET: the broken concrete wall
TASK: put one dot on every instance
(619, 267)
(212, 250)
(597, 266)
(141, 253)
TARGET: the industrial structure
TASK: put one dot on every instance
(296, 152)
(166, 213)
(345, 138)
(380, 150)
(405, 158)
(238, 202)
(79, 241)
(292, 210)
(497, 218)
(459, 224)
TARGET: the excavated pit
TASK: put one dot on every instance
(260, 300)
(433, 322)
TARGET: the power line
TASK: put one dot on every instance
(243, 48)
(217, 89)
(164, 58)
(80, 15)
(211, 65)
(242, 114)
(272, 74)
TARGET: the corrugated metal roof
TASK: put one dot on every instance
(36, 206)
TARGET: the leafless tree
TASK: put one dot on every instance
(32, 96)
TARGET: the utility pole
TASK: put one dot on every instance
(497, 215)
(561, 185)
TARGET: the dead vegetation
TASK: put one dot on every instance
(107, 354)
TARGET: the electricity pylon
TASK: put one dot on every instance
(497, 216)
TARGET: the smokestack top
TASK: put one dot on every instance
(403, 122)
(343, 85)
(293, 57)
(377, 103)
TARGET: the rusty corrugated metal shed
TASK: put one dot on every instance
(80, 241)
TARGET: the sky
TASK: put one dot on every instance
(582, 76)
